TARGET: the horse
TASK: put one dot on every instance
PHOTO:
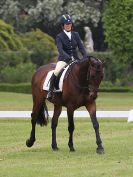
(80, 87)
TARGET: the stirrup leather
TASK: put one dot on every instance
(50, 95)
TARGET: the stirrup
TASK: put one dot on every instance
(49, 95)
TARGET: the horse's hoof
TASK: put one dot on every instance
(72, 149)
(100, 150)
(70, 145)
(29, 143)
(55, 149)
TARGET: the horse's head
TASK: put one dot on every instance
(95, 75)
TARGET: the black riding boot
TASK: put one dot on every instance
(51, 87)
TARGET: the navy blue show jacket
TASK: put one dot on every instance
(68, 48)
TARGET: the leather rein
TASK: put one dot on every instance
(89, 86)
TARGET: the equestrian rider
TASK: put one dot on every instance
(67, 41)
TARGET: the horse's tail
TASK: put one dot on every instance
(43, 115)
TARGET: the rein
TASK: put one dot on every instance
(88, 87)
(90, 68)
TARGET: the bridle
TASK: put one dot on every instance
(96, 69)
(89, 87)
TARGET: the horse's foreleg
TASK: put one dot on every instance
(100, 149)
(70, 129)
(54, 123)
(92, 110)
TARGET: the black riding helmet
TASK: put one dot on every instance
(65, 19)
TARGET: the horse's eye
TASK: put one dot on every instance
(92, 76)
(101, 77)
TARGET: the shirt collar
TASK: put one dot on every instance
(68, 33)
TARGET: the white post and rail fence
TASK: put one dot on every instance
(78, 114)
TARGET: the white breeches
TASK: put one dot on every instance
(59, 66)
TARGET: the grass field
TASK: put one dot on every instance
(105, 101)
(16, 160)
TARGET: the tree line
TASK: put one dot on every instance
(110, 22)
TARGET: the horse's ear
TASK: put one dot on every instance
(87, 57)
(103, 63)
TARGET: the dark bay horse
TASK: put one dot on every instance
(80, 87)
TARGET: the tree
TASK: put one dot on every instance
(9, 11)
(48, 11)
(118, 17)
(41, 46)
(21, 53)
(25, 15)
(9, 40)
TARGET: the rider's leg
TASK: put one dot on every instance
(59, 66)
(51, 86)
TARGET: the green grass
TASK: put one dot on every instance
(115, 101)
(16, 160)
(105, 101)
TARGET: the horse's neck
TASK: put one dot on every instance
(83, 67)
(84, 63)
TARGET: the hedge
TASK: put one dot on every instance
(41, 46)
(19, 74)
(17, 88)
(26, 88)
(116, 89)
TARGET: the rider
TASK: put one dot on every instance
(67, 41)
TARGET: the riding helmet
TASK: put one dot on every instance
(65, 19)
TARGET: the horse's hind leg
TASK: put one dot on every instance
(92, 110)
(54, 123)
(32, 139)
(37, 104)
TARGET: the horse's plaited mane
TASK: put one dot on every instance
(93, 62)
(70, 68)
(91, 59)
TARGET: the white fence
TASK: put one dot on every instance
(26, 114)
(100, 114)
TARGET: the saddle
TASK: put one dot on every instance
(59, 81)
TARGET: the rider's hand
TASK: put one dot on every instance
(72, 58)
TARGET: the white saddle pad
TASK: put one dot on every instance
(47, 83)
